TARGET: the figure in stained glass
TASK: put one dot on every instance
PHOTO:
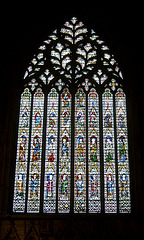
(124, 186)
(34, 185)
(65, 116)
(39, 95)
(80, 148)
(36, 148)
(65, 147)
(64, 186)
(80, 97)
(66, 97)
(93, 119)
(121, 121)
(38, 120)
(51, 157)
(19, 185)
(94, 185)
(108, 121)
(122, 149)
(80, 119)
(51, 142)
(22, 148)
(79, 185)
(51, 147)
(49, 189)
(120, 94)
(25, 120)
(107, 94)
(52, 119)
(93, 149)
(108, 146)
(110, 186)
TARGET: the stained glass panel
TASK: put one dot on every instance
(109, 153)
(64, 153)
(33, 202)
(22, 152)
(80, 152)
(93, 153)
(51, 153)
(122, 153)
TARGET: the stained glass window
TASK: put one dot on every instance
(72, 147)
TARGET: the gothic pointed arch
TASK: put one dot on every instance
(72, 147)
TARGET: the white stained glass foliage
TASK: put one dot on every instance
(33, 202)
(49, 205)
(109, 153)
(64, 153)
(122, 153)
(94, 204)
(80, 153)
(22, 153)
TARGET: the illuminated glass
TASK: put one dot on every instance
(51, 153)
(22, 152)
(64, 153)
(33, 202)
(122, 153)
(72, 146)
(80, 153)
(93, 152)
(109, 153)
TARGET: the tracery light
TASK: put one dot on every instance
(72, 146)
